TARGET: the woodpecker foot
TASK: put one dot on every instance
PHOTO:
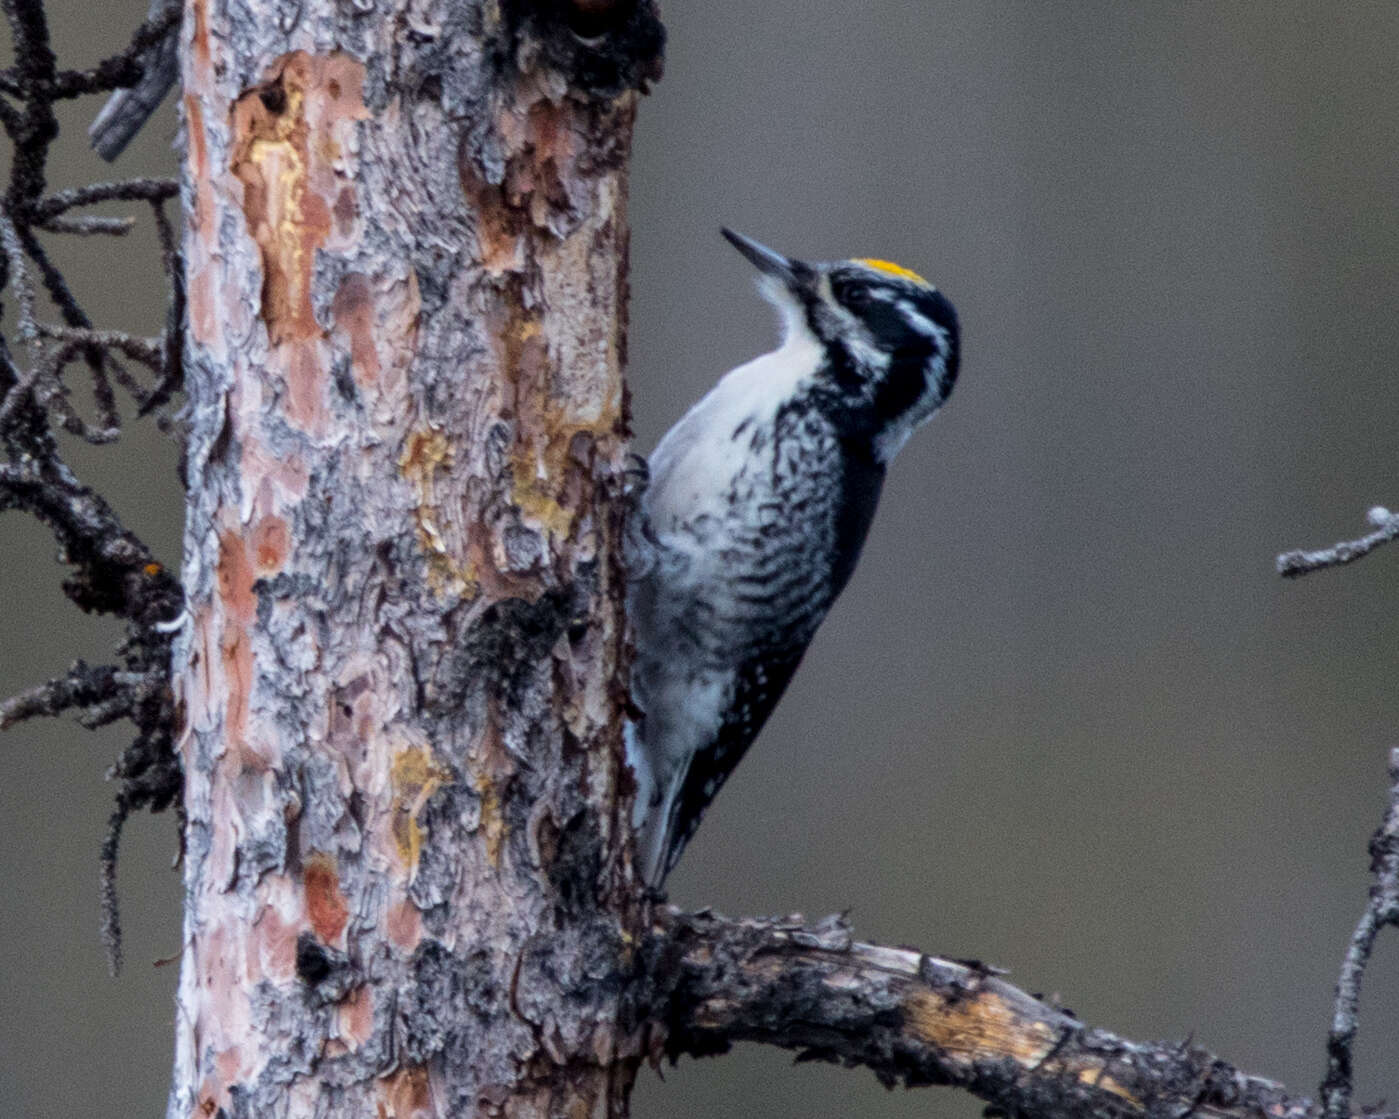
(636, 474)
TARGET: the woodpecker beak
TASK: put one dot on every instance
(790, 272)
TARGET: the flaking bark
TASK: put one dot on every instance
(408, 891)
(915, 1019)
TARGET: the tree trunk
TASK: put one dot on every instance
(407, 867)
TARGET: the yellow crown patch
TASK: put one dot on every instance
(889, 268)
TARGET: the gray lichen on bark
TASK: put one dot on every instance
(401, 688)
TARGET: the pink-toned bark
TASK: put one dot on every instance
(408, 887)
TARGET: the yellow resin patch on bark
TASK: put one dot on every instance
(287, 154)
(532, 477)
(981, 1025)
(1098, 1078)
(534, 483)
(426, 453)
(489, 767)
(415, 777)
(270, 161)
(543, 463)
(492, 821)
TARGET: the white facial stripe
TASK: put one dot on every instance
(922, 324)
(915, 318)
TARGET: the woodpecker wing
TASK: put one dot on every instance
(758, 684)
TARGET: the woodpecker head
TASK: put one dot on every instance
(889, 338)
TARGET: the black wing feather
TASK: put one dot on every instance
(758, 686)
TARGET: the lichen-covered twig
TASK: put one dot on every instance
(915, 1019)
(1299, 562)
(1382, 910)
(83, 686)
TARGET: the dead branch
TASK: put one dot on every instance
(114, 572)
(1382, 910)
(1299, 562)
(914, 1019)
(154, 55)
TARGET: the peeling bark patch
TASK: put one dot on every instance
(240, 604)
(199, 163)
(325, 904)
(275, 958)
(549, 484)
(415, 778)
(405, 1095)
(498, 227)
(270, 127)
(203, 307)
(556, 431)
(546, 144)
(357, 1017)
(208, 1107)
(287, 141)
(270, 539)
(537, 186)
(199, 41)
(404, 925)
(538, 473)
(236, 579)
(552, 460)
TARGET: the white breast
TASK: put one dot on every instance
(695, 465)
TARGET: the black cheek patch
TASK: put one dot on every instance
(905, 382)
(885, 321)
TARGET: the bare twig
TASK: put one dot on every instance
(1295, 563)
(1382, 910)
(914, 1019)
(81, 686)
(114, 572)
(88, 225)
(146, 350)
(18, 275)
(127, 190)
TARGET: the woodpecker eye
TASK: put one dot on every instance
(854, 294)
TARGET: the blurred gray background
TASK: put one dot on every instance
(1065, 719)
